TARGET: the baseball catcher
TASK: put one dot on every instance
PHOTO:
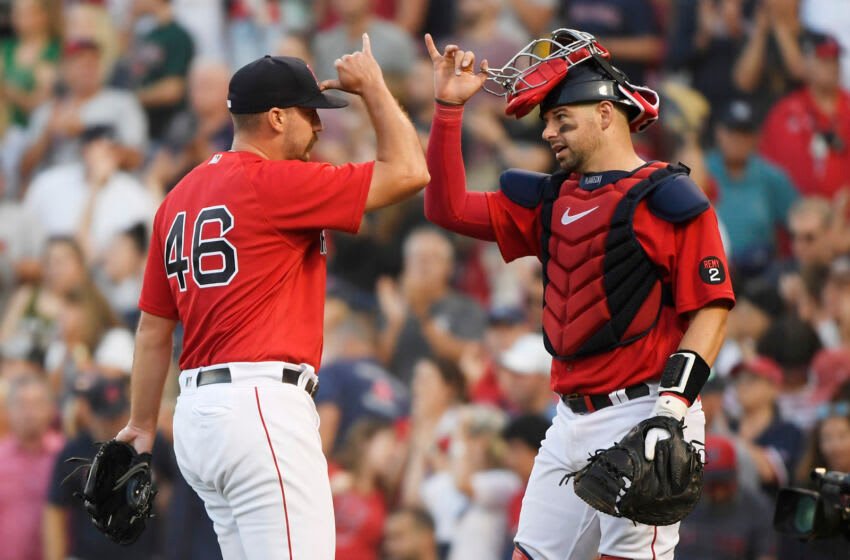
(635, 301)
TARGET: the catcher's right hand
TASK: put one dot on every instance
(455, 78)
(118, 493)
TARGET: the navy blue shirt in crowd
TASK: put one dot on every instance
(621, 19)
(361, 389)
(834, 548)
(786, 440)
(736, 530)
(711, 68)
(784, 443)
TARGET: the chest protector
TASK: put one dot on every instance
(601, 289)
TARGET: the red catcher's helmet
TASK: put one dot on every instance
(534, 72)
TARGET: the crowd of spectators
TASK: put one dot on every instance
(434, 392)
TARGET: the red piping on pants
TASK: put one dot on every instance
(277, 468)
(654, 536)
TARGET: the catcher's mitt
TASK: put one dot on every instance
(118, 493)
(620, 481)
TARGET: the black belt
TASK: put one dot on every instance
(582, 404)
(222, 375)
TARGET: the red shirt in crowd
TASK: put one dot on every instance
(813, 148)
(384, 9)
(237, 255)
(486, 389)
(24, 478)
(359, 524)
(830, 369)
(239, 9)
(514, 509)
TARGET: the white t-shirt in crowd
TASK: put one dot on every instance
(57, 199)
(204, 20)
(444, 502)
(21, 237)
(480, 531)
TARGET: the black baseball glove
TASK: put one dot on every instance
(118, 493)
(622, 482)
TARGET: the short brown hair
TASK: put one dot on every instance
(247, 122)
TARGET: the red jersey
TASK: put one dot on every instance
(691, 260)
(514, 509)
(359, 524)
(237, 255)
(813, 148)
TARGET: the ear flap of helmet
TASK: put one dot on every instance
(646, 101)
(533, 87)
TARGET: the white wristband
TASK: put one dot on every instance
(668, 405)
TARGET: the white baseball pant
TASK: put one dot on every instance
(555, 524)
(251, 450)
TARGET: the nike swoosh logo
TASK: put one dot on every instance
(567, 219)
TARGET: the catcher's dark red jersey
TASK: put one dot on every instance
(690, 257)
(237, 255)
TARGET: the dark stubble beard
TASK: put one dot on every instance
(574, 162)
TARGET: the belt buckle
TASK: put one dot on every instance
(573, 396)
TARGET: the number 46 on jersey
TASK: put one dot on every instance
(213, 259)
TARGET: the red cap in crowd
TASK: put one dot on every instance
(75, 46)
(762, 367)
(821, 45)
(721, 461)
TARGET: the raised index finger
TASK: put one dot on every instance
(432, 48)
(367, 44)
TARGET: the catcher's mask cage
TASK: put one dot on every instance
(541, 65)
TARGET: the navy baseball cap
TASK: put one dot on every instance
(277, 81)
(739, 115)
(97, 132)
(107, 397)
(505, 315)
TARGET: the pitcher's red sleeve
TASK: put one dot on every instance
(447, 202)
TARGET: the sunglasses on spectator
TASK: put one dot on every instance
(831, 410)
(804, 236)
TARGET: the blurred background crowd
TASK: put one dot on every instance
(434, 391)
